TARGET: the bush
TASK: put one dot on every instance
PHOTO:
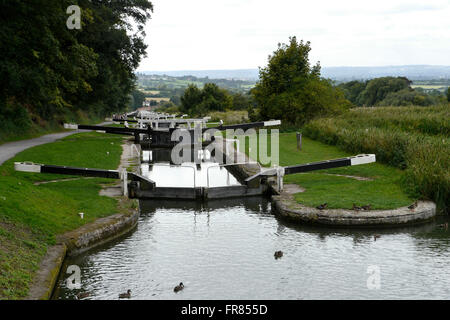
(415, 141)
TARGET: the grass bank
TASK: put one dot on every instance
(24, 126)
(382, 190)
(375, 184)
(412, 138)
(230, 116)
(32, 215)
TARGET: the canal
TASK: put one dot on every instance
(225, 250)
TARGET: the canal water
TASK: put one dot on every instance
(188, 175)
(225, 250)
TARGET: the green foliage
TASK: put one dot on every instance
(407, 97)
(229, 117)
(388, 91)
(168, 107)
(48, 69)
(170, 84)
(448, 94)
(138, 97)
(31, 216)
(242, 101)
(335, 186)
(412, 138)
(353, 90)
(200, 102)
(291, 89)
(377, 89)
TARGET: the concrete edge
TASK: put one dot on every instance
(75, 242)
(72, 243)
(286, 207)
(45, 279)
(99, 232)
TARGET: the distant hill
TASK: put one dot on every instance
(238, 74)
(412, 72)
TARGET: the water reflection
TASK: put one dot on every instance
(224, 250)
(189, 175)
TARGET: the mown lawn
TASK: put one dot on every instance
(32, 215)
(383, 191)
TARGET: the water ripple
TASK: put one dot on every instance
(226, 252)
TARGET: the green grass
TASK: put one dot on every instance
(32, 215)
(412, 138)
(10, 131)
(229, 117)
(384, 191)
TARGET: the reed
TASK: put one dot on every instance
(415, 139)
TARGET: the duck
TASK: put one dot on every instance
(125, 295)
(413, 206)
(278, 254)
(443, 226)
(82, 295)
(178, 287)
(322, 206)
(376, 236)
(367, 207)
(355, 207)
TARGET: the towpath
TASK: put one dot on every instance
(10, 149)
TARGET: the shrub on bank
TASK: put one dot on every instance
(229, 117)
(415, 141)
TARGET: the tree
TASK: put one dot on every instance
(241, 101)
(407, 97)
(191, 98)
(448, 94)
(290, 89)
(120, 47)
(49, 71)
(44, 66)
(200, 102)
(138, 99)
(377, 89)
(353, 90)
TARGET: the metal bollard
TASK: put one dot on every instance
(280, 175)
(125, 182)
(299, 141)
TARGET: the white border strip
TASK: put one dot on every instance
(362, 159)
(272, 123)
(70, 126)
(27, 167)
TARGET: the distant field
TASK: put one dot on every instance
(428, 86)
(150, 91)
(229, 117)
(157, 99)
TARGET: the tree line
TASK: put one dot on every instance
(49, 71)
(200, 101)
(387, 91)
(293, 90)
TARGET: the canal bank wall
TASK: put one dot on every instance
(285, 206)
(87, 237)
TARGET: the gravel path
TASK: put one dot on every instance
(10, 149)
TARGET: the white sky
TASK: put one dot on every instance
(240, 34)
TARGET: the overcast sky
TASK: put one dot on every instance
(240, 34)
